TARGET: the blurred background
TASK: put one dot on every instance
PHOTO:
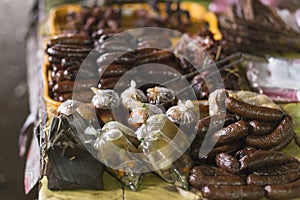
(13, 96)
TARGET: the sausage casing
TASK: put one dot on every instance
(252, 111)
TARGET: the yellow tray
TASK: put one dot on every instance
(57, 20)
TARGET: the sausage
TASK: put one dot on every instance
(283, 191)
(113, 70)
(270, 180)
(228, 162)
(233, 192)
(227, 148)
(54, 60)
(283, 144)
(156, 56)
(231, 132)
(70, 39)
(83, 96)
(108, 83)
(116, 58)
(243, 152)
(63, 87)
(279, 169)
(252, 111)
(114, 46)
(61, 51)
(258, 159)
(281, 132)
(71, 61)
(205, 175)
(198, 182)
(67, 86)
(160, 44)
(297, 140)
(257, 127)
(216, 121)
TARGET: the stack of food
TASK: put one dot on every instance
(118, 124)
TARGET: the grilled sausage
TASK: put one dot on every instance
(258, 159)
(283, 131)
(231, 132)
(258, 127)
(283, 191)
(228, 162)
(270, 180)
(252, 111)
(233, 192)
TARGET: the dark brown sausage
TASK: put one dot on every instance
(257, 127)
(108, 83)
(61, 51)
(281, 132)
(231, 132)
(270, 180)
(83, 96)
(228, 162)
(67, 86)
(114, 46)
(205, 175)
(156, 56)
(258, 159)
(244, 192)
(227, 148)
(252, 111)
(199, 182)
(70, 39)
(216, 121)
(279, 169)
(116, 58)
(113, 70)
(283, 191)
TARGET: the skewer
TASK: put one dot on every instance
(234, 58)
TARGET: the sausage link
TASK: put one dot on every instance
(228, 162)
(283, 131)
(252, 111)
(283, 191)
(113, 70)
(257, 127)
(156, 56)
(232, 132)
(116, 58)
(245, 192)
(70, 39)
(216, 121)
(108, 83)
(270, 180)
(279, 169)
(259, 159)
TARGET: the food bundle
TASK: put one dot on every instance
(108, 120)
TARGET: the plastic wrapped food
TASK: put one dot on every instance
(139, 115)
(132, 97)
(115, 150)
(279, 78)
(104, 101)
(161, 95)
(164, 145)
(183, 113)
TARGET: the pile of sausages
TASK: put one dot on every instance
(245, 163)
(250, 174)
(91, 19)
(66, 53)
(123, 53)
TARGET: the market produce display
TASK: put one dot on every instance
(108, 124)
